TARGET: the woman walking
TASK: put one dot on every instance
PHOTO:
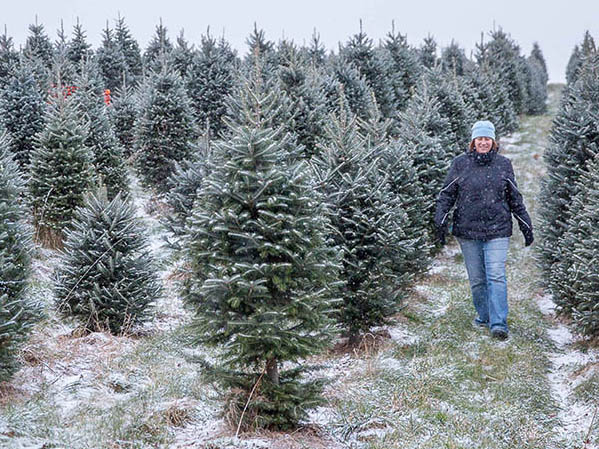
(481, 185)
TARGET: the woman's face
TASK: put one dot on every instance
(483, 144)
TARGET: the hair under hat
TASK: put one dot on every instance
(483, 128)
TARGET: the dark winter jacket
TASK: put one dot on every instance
(484, 191)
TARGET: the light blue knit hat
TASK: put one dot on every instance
(483, 128)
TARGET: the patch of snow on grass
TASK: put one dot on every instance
(437, 299)
(546, 305)
(402, 336)
(574, 417)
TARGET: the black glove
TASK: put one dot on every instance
(528, 238)
(440, 234)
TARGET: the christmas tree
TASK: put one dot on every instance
(405, 63)
(260, 269)
(106, 277)
(303, 86)
(368, 224)
(9, 58)
(344, 86)
(572, 143)
(17, 312)
(130, 51)
(101, 139)
(375, 69)
(502, 55)
(581, 242)
(111, 59)
(210, 80)
(453, 59)
(425, 136)
(488, 98)
(159, 48)
(61, 168)
(446, 89)
(165, 130)
(124, 111)
(38, 45)
(22, 113)
(428, 53)
(79, 50)
(182, 56)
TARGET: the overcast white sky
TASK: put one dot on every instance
(557, 25)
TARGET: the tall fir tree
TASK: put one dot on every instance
(243, 98)
(454, 60)
(9, 58)
(376, 70)
(261, 53)
(581, 244)
(79, 50)
(368, 225)
(165, 130)
(586, 50)
(315, 52)
(536, 87)
(101, 139)
(183, 186)
(573, 65)
(182, 55)
(111, 59)
(261, 269)
(22, 113)
(569, 268)
(107, 277)
(446, 89)
(210, 81)
(428, 52)
(489, 99)
(397, 163)
(124, 111)
(425, 135)
(61, 169)
(38, 45)
(405, 62)
(17, 311)
(536, 54)
(573, 141)
(158, 50)
(502, 55)
(131, 52)
(303, 86)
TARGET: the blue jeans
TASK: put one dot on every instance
(485, 263)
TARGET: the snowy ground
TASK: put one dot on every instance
(570, 368)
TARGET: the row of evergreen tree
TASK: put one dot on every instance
(569, 198)
(301, 183)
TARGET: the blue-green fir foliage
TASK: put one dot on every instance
(61, 168)
(302, 84)
(101, 139)
(573, 141)
(209, 81)
(261, 269)
(106, 277)
(17, 312)
(9, 58)
(165, 130)
(375, 69)
(22, 113)
(368, 226)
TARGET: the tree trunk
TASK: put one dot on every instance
(272, 370)
(354, 339)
